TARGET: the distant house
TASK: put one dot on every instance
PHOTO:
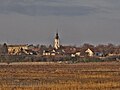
(77, 53)
(46, 53)
(15, 49)
(90, 52)
(68, 50)
(50, 52)
(99, 54)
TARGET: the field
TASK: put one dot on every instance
(54, 76)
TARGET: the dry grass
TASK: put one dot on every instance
(83, 76)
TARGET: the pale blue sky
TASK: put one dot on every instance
(78, 21)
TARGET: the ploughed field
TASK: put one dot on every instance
(53, 76)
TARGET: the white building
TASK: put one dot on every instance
(90, 52)
(56, 41)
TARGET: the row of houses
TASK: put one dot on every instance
(44, 53)
(32, 50)
(58, 50)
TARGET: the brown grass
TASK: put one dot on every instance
(83, 76)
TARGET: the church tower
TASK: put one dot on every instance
(56, 41)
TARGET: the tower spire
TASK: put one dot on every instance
(56, 41)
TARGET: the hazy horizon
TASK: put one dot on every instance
(77, 21)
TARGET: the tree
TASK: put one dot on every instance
(4, 49)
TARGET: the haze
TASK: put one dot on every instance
(77, 21)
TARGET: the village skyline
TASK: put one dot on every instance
(62, 51)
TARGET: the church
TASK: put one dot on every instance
(56, 41)
(56, 47)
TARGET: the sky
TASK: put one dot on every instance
(77, 21)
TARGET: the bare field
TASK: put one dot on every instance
(53, 76)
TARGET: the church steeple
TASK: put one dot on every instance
(56, 41)
(57, 36)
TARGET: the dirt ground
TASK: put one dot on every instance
(54, 76)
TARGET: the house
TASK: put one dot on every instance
(51, 52)
(99, 54)
(77, 53)
(90, 52)
(15, 49)
(68, 50)
(46, 53)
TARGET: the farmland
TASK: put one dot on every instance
(54, 76)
